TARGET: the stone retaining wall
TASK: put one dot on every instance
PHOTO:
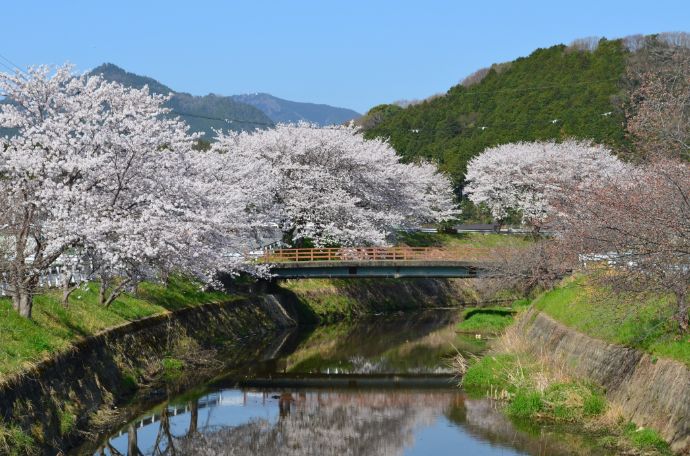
(652, 392)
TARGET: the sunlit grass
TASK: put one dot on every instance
(486, 320)
(54, 327)
(635, 320)
(479, 240)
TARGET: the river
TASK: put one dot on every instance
(379, 386)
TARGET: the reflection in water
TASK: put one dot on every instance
(322, 422)
(327, 423)
(322, 419)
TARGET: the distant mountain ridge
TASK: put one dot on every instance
(236, 112)
(286, 111)
(202, 113)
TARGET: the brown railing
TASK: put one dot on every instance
(372, 254)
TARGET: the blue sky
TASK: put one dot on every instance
(353, 53)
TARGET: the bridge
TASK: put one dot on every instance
(380, 262)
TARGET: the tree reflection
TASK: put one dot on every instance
(327, 423)
(165, 442)
(193, 416)
(132, 442)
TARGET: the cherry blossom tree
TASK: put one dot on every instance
(43, 168)
(530, 177)
(658, 76)
(97, 169)
(331, 186)
(640, 224)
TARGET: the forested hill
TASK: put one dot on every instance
(557, 92)
(202, 114)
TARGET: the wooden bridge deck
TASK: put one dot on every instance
(391, 262)
(375, 254)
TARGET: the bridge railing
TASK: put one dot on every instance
(401, 253)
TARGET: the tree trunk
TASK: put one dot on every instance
(683, 311)
(536, 231)
(106, 299)
(102, 290)
(132, 441)
(193, 416)
(22, 301)
(165, 277)
(67, 287)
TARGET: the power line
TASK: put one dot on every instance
(553, 122)
(16, 67)
(231, 120)
(7, 66)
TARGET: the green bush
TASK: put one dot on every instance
(67, 421)
(525, 404)
(489, 373)
(172, 368)
(594, 405)
(646, 439)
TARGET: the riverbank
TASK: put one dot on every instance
(634, 399)
(373, 385)
(51, 405)
(67, 370)
(54, 328)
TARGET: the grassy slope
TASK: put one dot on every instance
(641, 322)
(55, 327)
(532, 390)
(488, 320)
(475, 240)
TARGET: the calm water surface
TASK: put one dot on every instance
(381, 386)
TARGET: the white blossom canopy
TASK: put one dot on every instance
(99, 167)
(530, 177)
(330, 185)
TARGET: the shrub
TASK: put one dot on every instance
(645, 438)
(525, 404)
(15, 442)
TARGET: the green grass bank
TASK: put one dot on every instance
(537, 384)
(638, 321)
(54, 327)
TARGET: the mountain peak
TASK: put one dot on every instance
(112, 72)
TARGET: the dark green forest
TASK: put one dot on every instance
(554, 93)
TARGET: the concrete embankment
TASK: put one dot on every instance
(651, 392)
(59, 399)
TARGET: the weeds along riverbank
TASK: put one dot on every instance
(539, 374)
